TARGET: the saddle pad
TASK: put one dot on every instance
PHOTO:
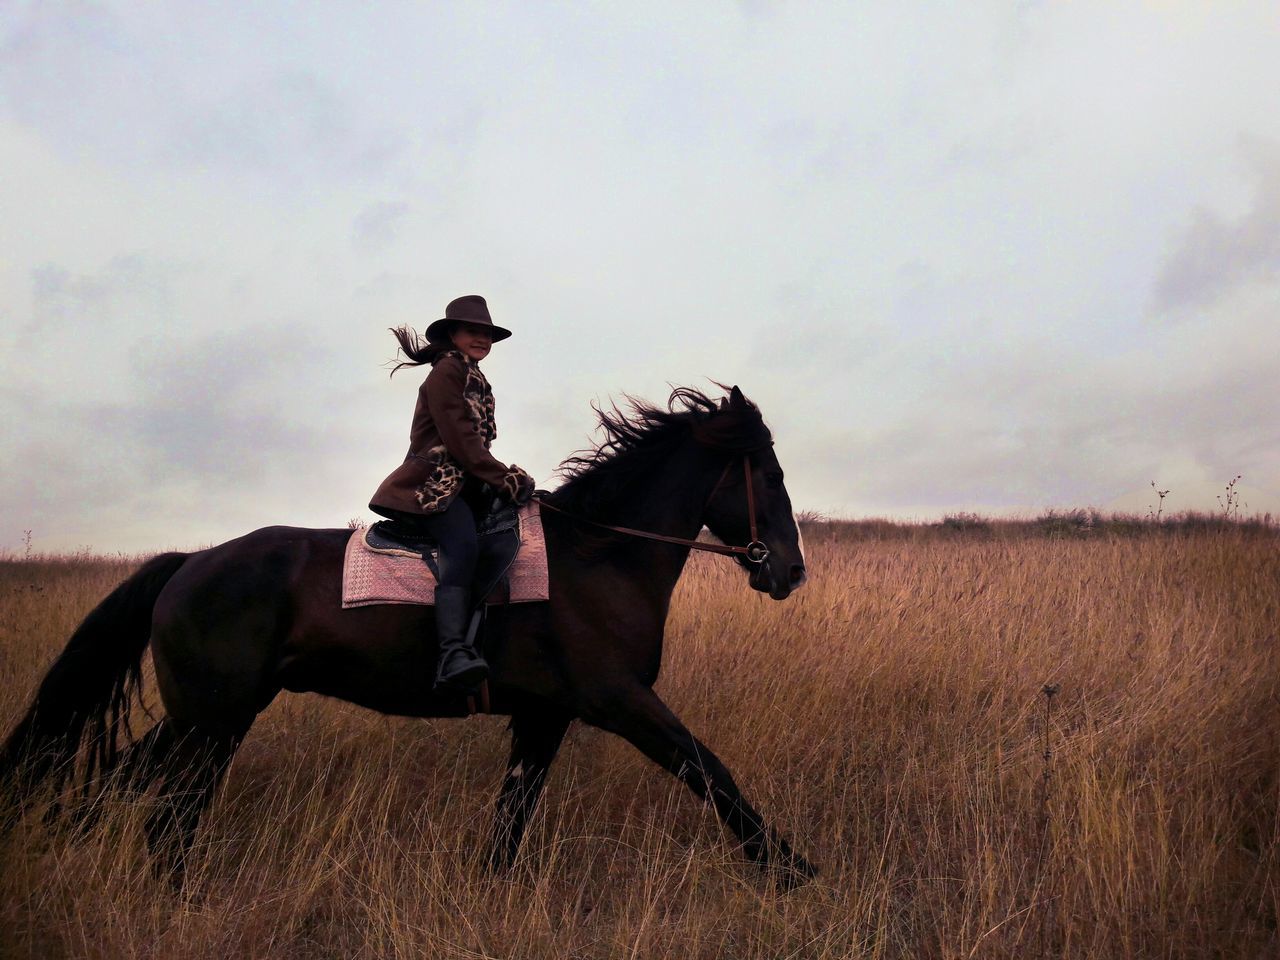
(372, 576)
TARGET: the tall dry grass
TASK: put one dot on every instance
(888, 717)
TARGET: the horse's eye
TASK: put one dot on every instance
(774, 480)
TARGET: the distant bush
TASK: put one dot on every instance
(807, 517)
(1076, 523)
(966, 522)
(1054, 523)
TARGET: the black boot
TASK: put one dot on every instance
(460, 669)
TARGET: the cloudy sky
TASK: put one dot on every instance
(991, 257)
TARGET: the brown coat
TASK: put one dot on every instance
(449, 439)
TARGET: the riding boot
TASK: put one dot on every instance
(460, 669)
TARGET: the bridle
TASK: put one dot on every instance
(754, 552)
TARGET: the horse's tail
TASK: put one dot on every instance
(86, 695)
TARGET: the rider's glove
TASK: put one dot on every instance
(517, 486)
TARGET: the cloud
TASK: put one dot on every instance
(67, 64)
(1216, 253)
(927, 400)
(378, 225)
(127, 286)
(212, 418)
(288, 122)
(219, 406)
(83, 328)
(99, 81)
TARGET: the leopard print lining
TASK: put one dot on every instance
(479, 397)
(444, 482)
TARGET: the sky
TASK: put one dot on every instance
(987, 257)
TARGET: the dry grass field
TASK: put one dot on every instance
(889, 718)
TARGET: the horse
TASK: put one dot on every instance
(231, 626)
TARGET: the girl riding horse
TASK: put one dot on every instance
(449, 478)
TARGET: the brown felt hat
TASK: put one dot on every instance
(469, 309)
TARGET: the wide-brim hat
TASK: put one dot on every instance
(469, 309)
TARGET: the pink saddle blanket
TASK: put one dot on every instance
(371, 576)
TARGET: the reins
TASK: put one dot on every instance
(754, 552)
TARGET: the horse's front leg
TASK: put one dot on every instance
(536, 734)
(640, 716)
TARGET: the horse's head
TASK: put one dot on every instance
(738, 429)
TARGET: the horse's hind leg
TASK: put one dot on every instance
(640, 716)
(536, 734)
(192, 765)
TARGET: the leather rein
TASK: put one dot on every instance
(754, 552)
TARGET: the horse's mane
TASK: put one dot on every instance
(640, 437)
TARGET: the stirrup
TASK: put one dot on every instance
(467, 679)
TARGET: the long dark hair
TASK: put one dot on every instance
(418, 349)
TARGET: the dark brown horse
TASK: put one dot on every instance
(231, 626)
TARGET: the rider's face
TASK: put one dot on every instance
(473, 340)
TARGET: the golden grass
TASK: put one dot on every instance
(887, 718)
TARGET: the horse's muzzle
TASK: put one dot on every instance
(764, 580)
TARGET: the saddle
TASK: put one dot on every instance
(498, 536)
(384, 562)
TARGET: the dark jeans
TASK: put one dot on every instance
(455, 531)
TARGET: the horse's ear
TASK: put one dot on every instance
(736, 399)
